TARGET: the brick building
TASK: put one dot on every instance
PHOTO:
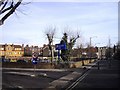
(11, 50)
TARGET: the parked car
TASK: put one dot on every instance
(21, 61)
(44, 60)
(5, 60)
(13, 60)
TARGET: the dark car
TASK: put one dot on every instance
(21, 61)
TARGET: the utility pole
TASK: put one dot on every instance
(101, 52)
(109, 44)
(90, 50)
(90, 47)
(109, 52)
(90, 41)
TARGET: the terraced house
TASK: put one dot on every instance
(10, 50)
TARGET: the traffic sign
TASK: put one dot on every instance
(60, 46)
(34, 59)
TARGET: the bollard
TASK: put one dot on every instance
(98, 65)
(109, 63)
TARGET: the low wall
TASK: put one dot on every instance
(80, 63)
(46, 65)
(27, 65)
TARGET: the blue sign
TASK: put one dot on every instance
(34, 60)
(61, 47)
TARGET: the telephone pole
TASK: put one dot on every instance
(109, 52)
(109, 45)
(91, 46)
(91, 40)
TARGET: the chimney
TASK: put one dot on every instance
(22, 45)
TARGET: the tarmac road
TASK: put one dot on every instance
(106, 77)
(23, 79)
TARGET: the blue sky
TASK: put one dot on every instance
(89, 18)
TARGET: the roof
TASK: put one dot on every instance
(17, 46)
(2, 46)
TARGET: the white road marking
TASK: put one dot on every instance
(77, 81)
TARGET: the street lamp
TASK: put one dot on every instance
(91, 40)
(97, 52)
(90, 46)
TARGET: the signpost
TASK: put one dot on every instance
(60, 47)
(34, 61)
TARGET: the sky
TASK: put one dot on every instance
(98, 20)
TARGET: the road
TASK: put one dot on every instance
(107, 76)
(24, 79)
(0, 78)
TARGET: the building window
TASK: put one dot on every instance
(18, 49)
(8, 48)
(1, 48)
(19, 52)
(9, 53)
(15, 53)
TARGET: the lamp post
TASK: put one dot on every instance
(91, 40)
(91, 46)
(97, 50)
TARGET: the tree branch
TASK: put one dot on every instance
(4, 5)
(1, 2)
(10, 7)
(10, 12)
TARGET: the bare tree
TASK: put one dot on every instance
(7, 8)
(50, 33)
(80, 45)
(69, 38)
(79, 49)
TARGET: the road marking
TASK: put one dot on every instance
(30, 69)
(33, 75)
(27, 74)
(77, 81)
(18, 73)
(19, 86)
